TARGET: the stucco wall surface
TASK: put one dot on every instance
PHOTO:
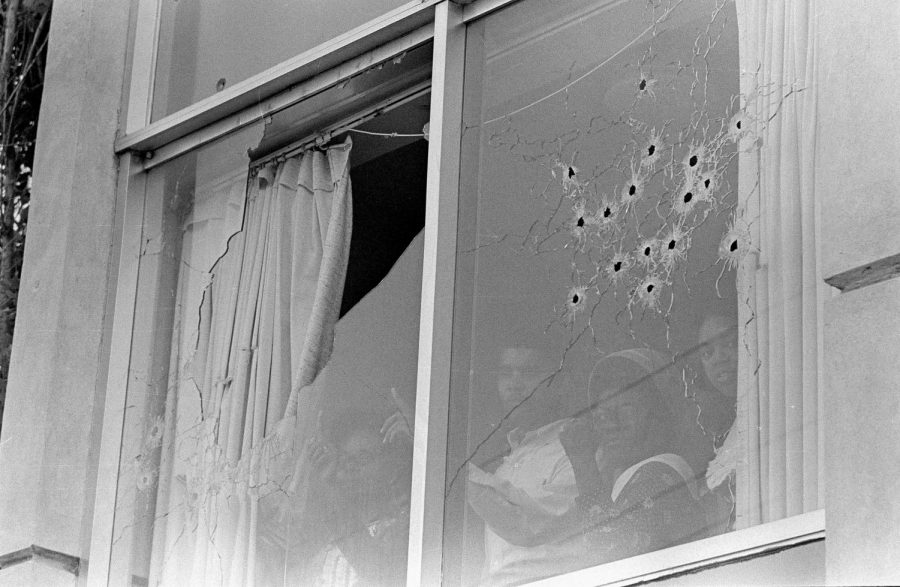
(858, 131)
(862, 338)
(57, 372)
(858, 187)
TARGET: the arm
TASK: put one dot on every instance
(514, 523)
(655, 510)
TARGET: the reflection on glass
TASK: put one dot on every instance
(206, 46)
(597, 350)
(269, 425)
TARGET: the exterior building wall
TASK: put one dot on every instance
(57, 374)
(858, 183)
(48, 450)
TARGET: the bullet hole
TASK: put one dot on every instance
(571, 172)
(650, 288)
(650, 150)
(607, 212)
(220, 85)
(672, 244)
(647, 251)
(632, 190)
(734, 246)
(643, 85)
(738, 124)
(706, 182)
(580, 222)
(575, 298)
(688, 197)
(692, 161)
(617, 266)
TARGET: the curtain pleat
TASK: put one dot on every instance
(779, 410)
(266, 324)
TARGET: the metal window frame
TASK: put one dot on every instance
(418, 22)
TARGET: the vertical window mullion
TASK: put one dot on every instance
(132, 185)
(433, 378)
(143, 65)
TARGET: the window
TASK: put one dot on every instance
(630, 349)
(205, 47)
(280, 335)
(605, 357)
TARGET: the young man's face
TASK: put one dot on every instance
(719, 354)
(621, 419)
(521, 386)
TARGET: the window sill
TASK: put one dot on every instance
(707, 553)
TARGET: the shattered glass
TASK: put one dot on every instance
(605, 343)
(600, 221)
(263, 445)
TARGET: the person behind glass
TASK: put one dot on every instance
(534, 484)
(634, 494)
(715, 399)
(708, 393)
(360, 494)
(714, 394)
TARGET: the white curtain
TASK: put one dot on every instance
(266, 329)
(779, 421)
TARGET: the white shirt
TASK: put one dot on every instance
(537, 466)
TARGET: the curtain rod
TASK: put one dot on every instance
(320, 139)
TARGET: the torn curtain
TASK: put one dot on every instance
(266, 327)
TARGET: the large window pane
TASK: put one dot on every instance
(602, 380)
(207, 45)
(268, 431)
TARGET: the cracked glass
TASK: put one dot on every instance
(269, 411)
(602, 322)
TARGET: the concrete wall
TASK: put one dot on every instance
(858, 185)
(57, 375)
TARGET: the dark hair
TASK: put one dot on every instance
(724, 308)
(526, 338)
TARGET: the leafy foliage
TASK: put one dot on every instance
(24, 26)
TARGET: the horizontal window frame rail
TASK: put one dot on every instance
(268, 107)
(481, 8)
(343, 125)
(696, 556)
(280, 86)
(284, 76)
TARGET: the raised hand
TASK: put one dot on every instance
(398, 426)
(582, 443)
(321, 459)
(580, 440)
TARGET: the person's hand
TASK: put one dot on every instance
(582, 445)
(320, 458)
(580, 440)
(395, 428)
(398, 424)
